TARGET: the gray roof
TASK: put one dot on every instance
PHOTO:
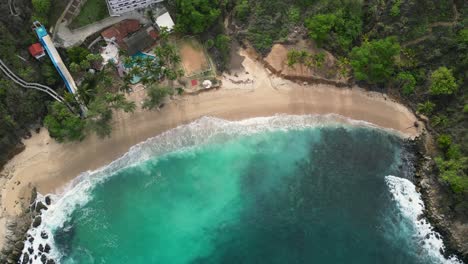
(138, 41)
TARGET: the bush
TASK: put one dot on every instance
(426, 108)
(395, 10)
(242, 10)
(294, 14)
(442, 82)
(156, 96)
(319, 26)
(374, 61)
(63, 125)
(407, 82)
(444, 141)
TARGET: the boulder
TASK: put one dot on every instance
(37, 221)
(40, 206)
(30, 250)
(25, 258)
(47, 248)
(48, 200)
(50, 261)
(43, 259)
(44, 235)
(19, 245)
(41, 248)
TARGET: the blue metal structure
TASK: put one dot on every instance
(49, 46)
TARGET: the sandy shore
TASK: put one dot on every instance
(49, 165)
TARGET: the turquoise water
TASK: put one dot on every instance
(308, 195)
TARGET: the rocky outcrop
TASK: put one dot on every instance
(18, 239)
(438, 199)
(328, 73)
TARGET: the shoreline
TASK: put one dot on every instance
(49, 166)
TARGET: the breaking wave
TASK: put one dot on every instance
(201, 131)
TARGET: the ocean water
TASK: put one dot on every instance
(284, 189)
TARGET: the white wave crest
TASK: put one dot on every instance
(411, 206)
(199, 132)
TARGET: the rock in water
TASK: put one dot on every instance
(44, 235)
(25, 258)
(47, 248)
(37, 221)
(48, 200)
(40, 206)
(41, 248)
(43, 259)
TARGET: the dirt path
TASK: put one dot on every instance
(433, 25)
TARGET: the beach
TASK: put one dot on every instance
(250, 92)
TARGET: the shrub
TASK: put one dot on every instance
(442, 82)
(319, 26)
(294, 14)
(242, 10)
(426, 108)
(395, 10)
(407, 82)
(444, 141)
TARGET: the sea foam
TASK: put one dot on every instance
(411, 207)
(204, 130)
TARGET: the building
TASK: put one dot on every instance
(118, 7)
(36, 50)
(121, 30)
(165, 21)
(140, 40)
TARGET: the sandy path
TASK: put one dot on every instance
(49, 165)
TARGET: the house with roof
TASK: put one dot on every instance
(121, 30)
(36, 50)
(140, 41)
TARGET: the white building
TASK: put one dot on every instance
(118, 7)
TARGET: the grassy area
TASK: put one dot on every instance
(92, 11)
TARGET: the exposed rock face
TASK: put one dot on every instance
(328, 72)
(438, 200)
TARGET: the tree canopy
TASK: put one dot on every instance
(195, 16)
(374, 61)
(443, 82)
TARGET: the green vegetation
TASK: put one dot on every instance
(443, 82)
(306, 58)
(63, 125)
(407, 82)
(452, 164)
(242, 10)
(395, 10)
(374, 61)
(156, 96)
(320, 26)
(92, 11)
(41, 9)
(426, 108)
(196, 16)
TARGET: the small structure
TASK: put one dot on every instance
(165, 21)
(36, 50)
(194, 82)
(119, 31)
(207, 84)
(140, 40)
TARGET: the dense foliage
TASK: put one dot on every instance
(195, 16)
(374, 61)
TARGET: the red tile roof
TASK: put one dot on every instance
(194, 82)
(120, 30)
(36, 49)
